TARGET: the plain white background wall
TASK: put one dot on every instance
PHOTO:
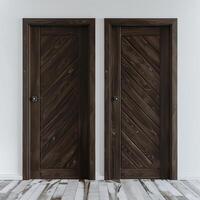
(11, 14)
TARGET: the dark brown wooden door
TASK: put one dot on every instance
(59, 96)
(138, 98)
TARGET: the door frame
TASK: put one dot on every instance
(109, 23)
(27, 23)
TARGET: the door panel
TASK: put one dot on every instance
(60, 119)
(138, 99)
(60, 101)
(140, 120)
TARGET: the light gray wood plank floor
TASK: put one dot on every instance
(127, 189)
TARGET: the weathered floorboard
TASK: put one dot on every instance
(17, 192)
(152, 190)
(186, 191)
(192, 187)
(125, 189)
(70, 191)
(49, 190)
(134, 190)
(80, 191)
(103, 190)
(93, 191)
(30, 188)
(168, 191)
(60, 190)
(3, 184)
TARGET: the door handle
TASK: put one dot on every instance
(35, 99)
(115, 98)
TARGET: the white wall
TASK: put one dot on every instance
(11, 14)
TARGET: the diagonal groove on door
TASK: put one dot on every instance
(70, 67)
(132, 129)
(147, 130)
(144, 68)
(147, 83)
(147, 96)
(57, 53)
(149, 111)
(138, 152)
(140, 53)
(151, 40)
(139, 110)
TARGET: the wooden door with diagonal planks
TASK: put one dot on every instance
(60, 101)
(138, 102)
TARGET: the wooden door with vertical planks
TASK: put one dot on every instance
(138, 101)
(60, 98)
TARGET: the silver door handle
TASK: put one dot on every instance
(115, 98)
(35, 99)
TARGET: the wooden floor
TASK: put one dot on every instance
(100, 190)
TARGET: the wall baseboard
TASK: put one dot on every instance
(10, 177)
(188, 178)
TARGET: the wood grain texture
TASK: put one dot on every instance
(59, 130)
(186, 191)
(152, 190)
(126, 189)
(169, 191)
(140, 126)
(139, 119)
(60, 101)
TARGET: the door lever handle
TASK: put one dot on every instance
(35, 99)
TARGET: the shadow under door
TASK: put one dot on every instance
(59, 98)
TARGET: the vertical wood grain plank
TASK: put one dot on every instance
(103, 190)
(26, 102)
(116, 103)
(49, 190)
(116, 191)
(173, 110)
(84, 108)
(111, 190)
(165, 103)
(35, 107)
(92, 99)
(30, 188)
(79, 195)
(108, 101)
(152, 190)
(121, 194)
(93, 191)
(70, 190)
(58, 194)
(134, 190)
(36, 194)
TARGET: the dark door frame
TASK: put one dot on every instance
(27, 23)
(172, 24)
